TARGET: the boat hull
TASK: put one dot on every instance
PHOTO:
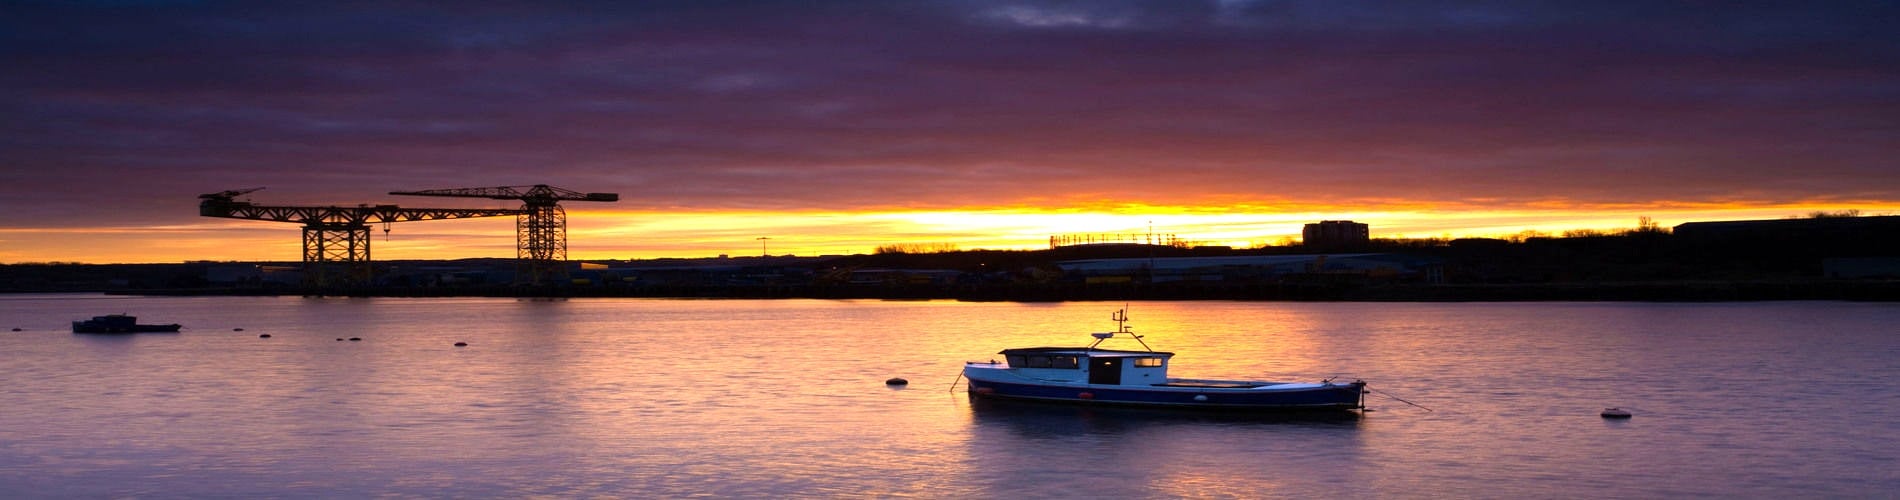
(1305, 397)
(79, 328)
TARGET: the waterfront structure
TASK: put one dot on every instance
(1254, 268)
(1808, 230)
(540, 227)
(332, 235)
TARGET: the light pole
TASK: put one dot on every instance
(762, 253)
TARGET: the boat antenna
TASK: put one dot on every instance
(1121, 327)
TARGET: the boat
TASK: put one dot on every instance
(1097, 376)
(119, 323)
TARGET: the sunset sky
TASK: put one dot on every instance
(835, 127)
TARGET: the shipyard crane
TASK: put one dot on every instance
(540, 231)
(332, 234)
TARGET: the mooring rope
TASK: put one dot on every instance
(1401, 400)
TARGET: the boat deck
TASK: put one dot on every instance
(1215, 384)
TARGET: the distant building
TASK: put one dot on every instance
(1255, 268)
(253, 274)
(1065, 240)
(1879, 227)
(1875, 236)
(1337, 234)
(1861, 268)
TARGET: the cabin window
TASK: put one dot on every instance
(1044, 361)
(1148, 362)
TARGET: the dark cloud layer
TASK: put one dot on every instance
(124, 110)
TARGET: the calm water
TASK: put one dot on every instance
(671, 398)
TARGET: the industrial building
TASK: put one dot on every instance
(1257, 268)
(1336, 235)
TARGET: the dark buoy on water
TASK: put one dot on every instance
(263, 335)
(353, 339)
(237, 329)
(1616, 413)
(339, 339)
(897, 381)
(16, 329)
(461, 344)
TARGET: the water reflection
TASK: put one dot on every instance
(1035, 419)
(1038, 449)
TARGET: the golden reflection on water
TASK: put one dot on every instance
(740, 398)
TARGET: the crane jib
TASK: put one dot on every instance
(340, 234)
(538, 193)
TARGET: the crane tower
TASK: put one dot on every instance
(332, 235)
(541, 227)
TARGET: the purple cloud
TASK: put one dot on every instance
(125, 111)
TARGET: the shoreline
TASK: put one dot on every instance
(1699, 291)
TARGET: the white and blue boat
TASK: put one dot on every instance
(1092, 375)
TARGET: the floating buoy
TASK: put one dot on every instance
(237, 329)
(263, 336)
(16, 329)
(1200, 398)
(353, 339)
(1616, 413)
(461, 344)
(1086, 395)
(896, 381)
(339, 339)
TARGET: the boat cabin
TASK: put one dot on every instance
(1093, 366)
(112, 322)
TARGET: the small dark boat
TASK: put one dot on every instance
(1091, 375)
(119, 323)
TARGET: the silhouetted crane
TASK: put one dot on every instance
(333, 234)
(540, 231)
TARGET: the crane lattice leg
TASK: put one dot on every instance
(336, 254)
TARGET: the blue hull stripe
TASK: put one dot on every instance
(1339, 396)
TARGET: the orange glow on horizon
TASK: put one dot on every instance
(595, 234)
